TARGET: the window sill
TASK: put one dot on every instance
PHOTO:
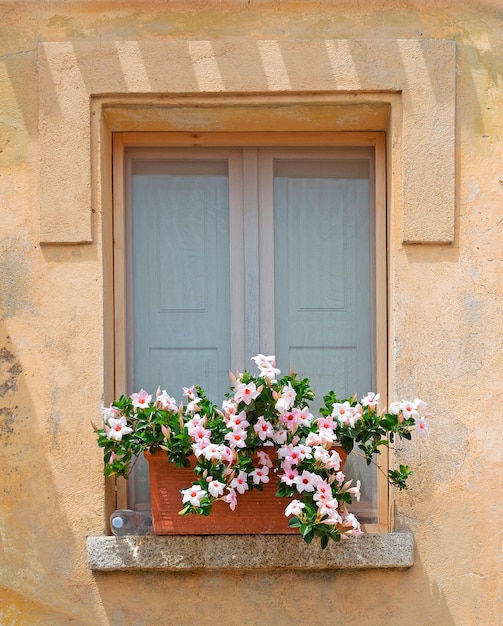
(235, 552)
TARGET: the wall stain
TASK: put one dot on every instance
(10, 369)
(6, 425)
(15, 276)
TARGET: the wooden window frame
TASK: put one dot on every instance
(377, 140)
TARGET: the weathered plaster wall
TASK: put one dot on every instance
(446, 334)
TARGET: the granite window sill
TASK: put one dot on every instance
(236, 552)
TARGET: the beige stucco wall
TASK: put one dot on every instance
(445, 340)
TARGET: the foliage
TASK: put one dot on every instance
(264, 431)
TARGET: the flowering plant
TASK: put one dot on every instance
(264, 431)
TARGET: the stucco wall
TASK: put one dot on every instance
(445, 345)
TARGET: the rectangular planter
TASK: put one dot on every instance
(257, 512)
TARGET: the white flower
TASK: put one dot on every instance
(422, 425)
(285, 401)
(166, 401)
(215, 487)
(240, 483)
(294, 508)
(141, 399)
(260, 475)
(193, 495)
(267, 367)
(307, 481)
(109, 412)
(117, 428)
(371, 400)
(212, 452)
(345, 413)
(355, 490)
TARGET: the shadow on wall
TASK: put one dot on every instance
(251, 598)
(38, 549)
(208, 71)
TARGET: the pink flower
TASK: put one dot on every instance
(304, 416)
(327, 437)
(240, 483)
(422, 425)
(280, 436)
(260, 475)
(238, 421)
(226, 452)
(198, 449)
(394, 408)
(291, 454)
(290, 420)
(117, 428)
(313, 439)
(326, 423)
(215, 487)
(264, 458)
(194, 495)
(189, 392)
(229, 408)
(263, 429)
(326, 427)
(166, 402)
(305, 452)
(294, 508)
(200, 435)
(141, 399)
(323, 491)
(307, 481)
(197, 420)
(247, 393)
(330, 510)
(263, 361)
(237, 438)
(285, 400)
(329, 507)
(290, 473)
(420, 405)
(231, 499)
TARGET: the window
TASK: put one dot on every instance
(274, 243)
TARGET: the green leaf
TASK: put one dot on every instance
(308, 537)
